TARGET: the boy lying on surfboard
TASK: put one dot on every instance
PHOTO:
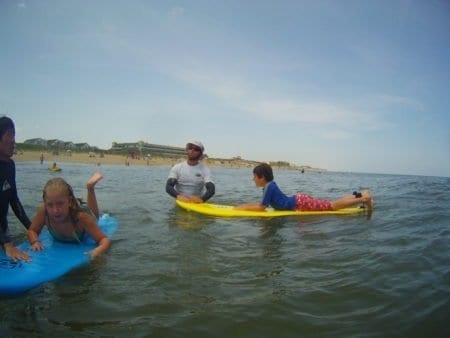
(274, 197)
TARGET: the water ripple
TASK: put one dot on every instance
(170, 273)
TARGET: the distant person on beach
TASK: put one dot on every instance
(274, 197)
(8, 192)
(67, 218)
(42, 158)
(190, 180)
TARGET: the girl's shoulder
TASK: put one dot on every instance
(83, 208)
(84, 216)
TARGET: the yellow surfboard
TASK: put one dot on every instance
(221, 210)
(54, 169)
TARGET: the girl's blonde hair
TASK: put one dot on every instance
(60, 184)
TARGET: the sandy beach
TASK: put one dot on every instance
(27, 156)
(83, 157)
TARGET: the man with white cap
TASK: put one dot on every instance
(190, 180)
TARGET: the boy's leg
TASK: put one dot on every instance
(351, 200)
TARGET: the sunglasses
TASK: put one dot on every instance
(194, 148)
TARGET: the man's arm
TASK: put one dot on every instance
(170, 187)
(21, 214)
(210, 191)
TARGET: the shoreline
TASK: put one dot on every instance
(84, 158)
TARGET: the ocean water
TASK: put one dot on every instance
(171, 273)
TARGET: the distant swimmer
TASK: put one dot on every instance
(54, 167)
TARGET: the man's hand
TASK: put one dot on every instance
(14, 253)
(189, 198)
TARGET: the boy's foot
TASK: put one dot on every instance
(368, 199)
(94, 179)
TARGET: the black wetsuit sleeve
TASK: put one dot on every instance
(5, 170)
(4, 234)
(8, 196)
(210, 191)
(17, 207)
(170, 187)
(19, 211)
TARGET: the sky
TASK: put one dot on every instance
(351, 85)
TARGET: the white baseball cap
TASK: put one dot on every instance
(196, 143)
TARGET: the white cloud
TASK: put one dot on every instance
(337, 135)
(401, 100)
(215, 83)
(316, 114)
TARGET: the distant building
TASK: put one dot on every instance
(84, 146)
(37, 142)
(69, 145)
(138, 149)
(56, 144)
(148, 149)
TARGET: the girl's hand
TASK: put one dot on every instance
(103, 245)
(93, 253)
(36, 246)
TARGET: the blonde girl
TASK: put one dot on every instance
(67, 219)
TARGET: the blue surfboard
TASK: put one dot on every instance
(49, 264)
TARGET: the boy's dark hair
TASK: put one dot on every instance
(264, 170)
(5, 124)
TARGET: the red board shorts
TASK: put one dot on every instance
(309, 203)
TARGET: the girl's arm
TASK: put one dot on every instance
(90, 226)
(250, 206)
(35, 229)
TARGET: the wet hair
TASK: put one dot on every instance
(264, 170)
(64, 187)
(5, 124)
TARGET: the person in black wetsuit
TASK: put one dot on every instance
(8, 189)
